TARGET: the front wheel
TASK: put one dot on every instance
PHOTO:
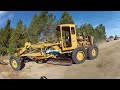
(16, 63)
(79, 55)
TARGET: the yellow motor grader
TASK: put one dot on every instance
(70, 48)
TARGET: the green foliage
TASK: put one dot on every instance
(88, 29)
(66, 18)
(4, 38)
(3, 51)
(98, 32)
(18, 37)
(42, 27)
(33, 28)
(6, 34)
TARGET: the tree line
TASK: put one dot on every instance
(41, 28)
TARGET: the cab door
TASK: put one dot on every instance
(66, 38)
(71, 41)
(73, 38)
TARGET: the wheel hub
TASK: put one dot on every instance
(94, 52)
(80, 55)
(14, 63)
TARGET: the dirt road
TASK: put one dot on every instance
(105, 66)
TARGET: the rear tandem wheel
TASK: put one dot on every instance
(92, 52)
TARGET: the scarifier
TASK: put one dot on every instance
(70, 48)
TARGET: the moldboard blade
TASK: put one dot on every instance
(60, 61)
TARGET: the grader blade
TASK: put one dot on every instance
(60, 61)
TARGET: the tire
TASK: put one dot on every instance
(95, 53)
(19, 65)
(75, 52)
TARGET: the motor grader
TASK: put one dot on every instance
(69, 48)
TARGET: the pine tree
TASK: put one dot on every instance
(42, 27)
(33, 29)
(6, 34)
(17, 39)
(88, 29)
(100, 33)
(4, 38)
(66, 18)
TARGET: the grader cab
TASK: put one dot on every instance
(69, 48)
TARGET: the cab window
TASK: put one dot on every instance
(72, 30)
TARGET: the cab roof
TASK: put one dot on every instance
(71, 25)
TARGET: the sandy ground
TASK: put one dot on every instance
(105, 66)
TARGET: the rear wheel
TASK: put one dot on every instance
(79, 55)
(16, 63)
(92, 52)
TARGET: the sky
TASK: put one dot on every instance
(110, 19)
